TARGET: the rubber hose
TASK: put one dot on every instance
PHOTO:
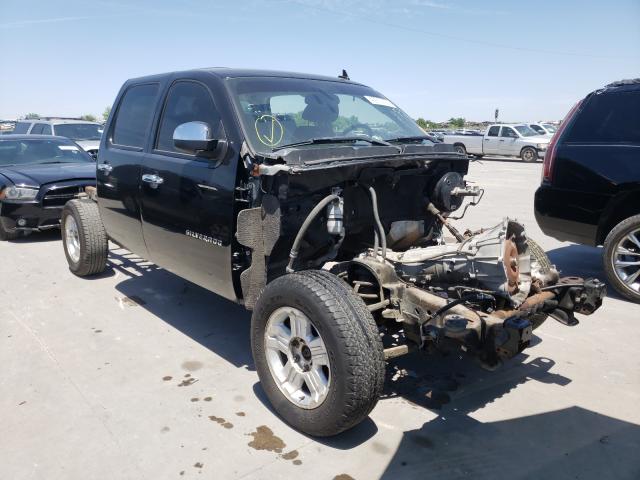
(305, 225)
(376, 216)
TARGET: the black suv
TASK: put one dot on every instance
(590, 190)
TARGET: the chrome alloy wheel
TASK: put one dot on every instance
(72, 238)
(626, 260)
(297, 358)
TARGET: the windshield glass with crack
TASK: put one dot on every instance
(275, 112)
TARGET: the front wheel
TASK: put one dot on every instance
(317, 352)
(622, 258)
(84, 238)
(529, 154)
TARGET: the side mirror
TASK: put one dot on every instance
(194, 137)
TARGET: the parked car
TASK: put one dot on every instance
(38, 175)
(252, 184)
(84, 133)
(515, 140)
(590, 191)
(546, 129)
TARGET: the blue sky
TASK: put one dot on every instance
(434, 58)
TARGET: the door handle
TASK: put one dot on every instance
(502, 140)
(486, 139)
(104, 168)
(153, 180)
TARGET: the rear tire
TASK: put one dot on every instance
(8, 234)
(623, 245)
(529, 154)
(354, 373)
(460, 149)
(84, 238)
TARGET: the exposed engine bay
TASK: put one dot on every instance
(385, 228)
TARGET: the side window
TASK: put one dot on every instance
(187, 101)
(21, 127)
(608, 118)
(37, 129)
(538, 128)
(46, 129)
(493, 131)
(508, 132)
(134, 115)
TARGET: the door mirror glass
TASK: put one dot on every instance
(193, 137)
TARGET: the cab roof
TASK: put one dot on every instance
(225, 72)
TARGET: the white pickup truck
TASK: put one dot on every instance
(514, 140)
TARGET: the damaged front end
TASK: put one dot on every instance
(382, 224)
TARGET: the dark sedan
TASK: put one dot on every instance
(38, 175)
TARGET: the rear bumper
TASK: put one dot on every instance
(29, 216)
(560, 216)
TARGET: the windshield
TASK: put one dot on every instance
(550, 128)
(79, 131)
(275, 112)
(526, 131)
(31, 152)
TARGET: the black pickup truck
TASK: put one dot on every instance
(319, 205)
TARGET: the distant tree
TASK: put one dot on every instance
(105, 114)
(426, 124)
(88, 117)
(457, 122)
(31, 116)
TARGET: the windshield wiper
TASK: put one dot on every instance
(327, 140)
(414, 139)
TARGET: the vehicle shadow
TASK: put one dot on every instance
(568, 443)
(215, 322)
(582, 261)
(38, 237)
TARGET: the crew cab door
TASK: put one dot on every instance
(490, 141)
(187, 200)
(118, 168)
(508, 142)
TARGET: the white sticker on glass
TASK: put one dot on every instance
(380, 101)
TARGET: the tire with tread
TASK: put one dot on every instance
(529, 154)
(617, 233)
(353, 345)
(94, 246)
(461, 149)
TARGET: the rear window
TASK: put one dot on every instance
(22, 127)
(134, 115)
(608, 118)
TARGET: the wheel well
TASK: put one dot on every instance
(459, 144)
(622, 206)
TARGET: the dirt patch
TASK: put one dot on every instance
(192, 365)
(133, 301)
(343, 476)
(290, 455)
(195, 399)
(240, 414)
(221, 421)
(264, 439)
(380, 448)
(187, 382)
(198, 464)
(207, 399)
(297, 462)
(164, 429)
(167, 378)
